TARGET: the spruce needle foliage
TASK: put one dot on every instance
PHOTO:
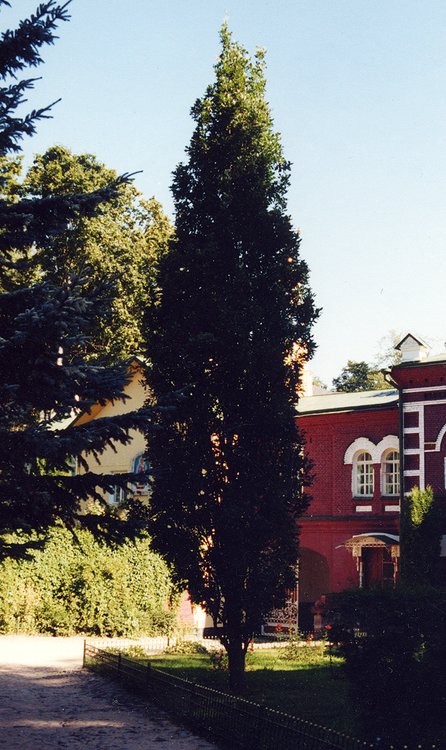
(232, 330)
(46, 322)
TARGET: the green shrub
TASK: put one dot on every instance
(186, 647)
(219, 659)
(303, 654)
(394, 645)
(131, 652)
(78, 585)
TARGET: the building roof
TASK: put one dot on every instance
(62, 424)
(410, 336)
(338, 402)
(434, 359)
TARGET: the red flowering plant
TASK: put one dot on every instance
(280, 632)
(219, 660)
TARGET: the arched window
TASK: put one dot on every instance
(390, 473)
(141, 467)
(363, 475)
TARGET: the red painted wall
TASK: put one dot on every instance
(424, 388)
(332, 517)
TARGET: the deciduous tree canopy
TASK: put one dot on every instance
(359, 376)
(121, 245)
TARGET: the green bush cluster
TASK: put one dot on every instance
(138, 653)
(304, 654)
(394, 645)
(219, 660)
(186, 647)
(79, 585)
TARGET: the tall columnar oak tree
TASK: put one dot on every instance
(44, 324)
(233, 329)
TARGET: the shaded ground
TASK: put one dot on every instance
(47, 701)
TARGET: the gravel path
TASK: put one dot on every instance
(47, 701)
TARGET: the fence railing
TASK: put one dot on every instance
(240, 723)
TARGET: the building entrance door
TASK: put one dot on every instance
(378, 566)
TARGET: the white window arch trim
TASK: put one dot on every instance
(389, 442)
(440, 437)
(361, 444)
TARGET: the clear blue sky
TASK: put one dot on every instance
(358, 91)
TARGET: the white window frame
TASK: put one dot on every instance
(363, 475)
(116, 496)
(394, 473)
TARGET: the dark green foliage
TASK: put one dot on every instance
(19, 49)
(40, 388)
(232, 329)
(45, 324)
(394, 645)
(359, 376)
(421, 529)
(78, 585)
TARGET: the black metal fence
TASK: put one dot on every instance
(240, 723)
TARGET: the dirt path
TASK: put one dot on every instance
(47, 701)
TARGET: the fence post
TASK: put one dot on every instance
(257, 735)
(148, 673)
(192, 699)
(84, 660)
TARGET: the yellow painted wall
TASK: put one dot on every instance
(121, 460)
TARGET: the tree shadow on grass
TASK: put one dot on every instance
(319, 694)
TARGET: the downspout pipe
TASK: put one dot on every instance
(388, 378)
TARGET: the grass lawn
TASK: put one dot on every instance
(305, 686)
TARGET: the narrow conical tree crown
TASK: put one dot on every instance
(232, 329)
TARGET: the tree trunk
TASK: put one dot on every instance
(236, 665)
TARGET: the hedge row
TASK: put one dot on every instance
(79, 585)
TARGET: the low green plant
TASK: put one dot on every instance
(186, 647)
(219, 660)
(302, 653)
(131, 652)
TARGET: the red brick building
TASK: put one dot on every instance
(350, 533)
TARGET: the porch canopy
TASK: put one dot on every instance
(371, 539)
(390, 543)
